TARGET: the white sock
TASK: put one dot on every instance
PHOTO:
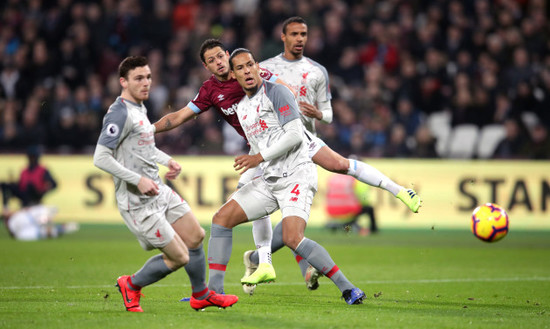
(264, 254)
(263, 232)
(372, 176)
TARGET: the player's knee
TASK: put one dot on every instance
(219, 218)
(292, 240)
(223, 218)
(180, 261)
(196, 239)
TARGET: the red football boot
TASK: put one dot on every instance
(213, 299)
(129, 296)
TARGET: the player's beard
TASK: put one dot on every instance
(252, 90)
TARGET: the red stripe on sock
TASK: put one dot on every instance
(217, 267)
(133, 286)
(298, 258)
(332, 271)
(200, 293)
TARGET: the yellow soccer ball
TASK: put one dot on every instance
(490, 222)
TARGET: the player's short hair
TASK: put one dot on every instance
(130, 63)
(237, 52)
(294, 19)
(210, 44)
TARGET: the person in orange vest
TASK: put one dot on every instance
(348, 199)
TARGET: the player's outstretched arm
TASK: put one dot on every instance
(174, 119)
(282, 82)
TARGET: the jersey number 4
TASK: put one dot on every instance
(296, 192)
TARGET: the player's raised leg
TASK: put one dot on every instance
(334, 162)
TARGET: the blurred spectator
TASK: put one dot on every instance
(540, 148)
(397, 145)
(515, 144)
(378, 52)
(424, 144)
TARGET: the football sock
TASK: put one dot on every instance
(196, 270)
(372, 176)
(220, 246)
(319, 258)
(153, 270)
(302, 263)
(276, 242)
(263, 232)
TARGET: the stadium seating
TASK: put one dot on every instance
(463, 141)
(439, 124)
(489, 138)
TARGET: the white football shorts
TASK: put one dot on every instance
(292, 194)
(151, 224)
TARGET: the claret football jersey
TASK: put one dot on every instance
(223, 96)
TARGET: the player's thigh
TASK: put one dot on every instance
(256, 199)
(179, 215)
(150, 226)
(293, 231)
(189, 229)
(330, 160)
(176, 253)
(295, 193)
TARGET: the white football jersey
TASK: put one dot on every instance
(262, 118)
(128, 132)
(307, 77)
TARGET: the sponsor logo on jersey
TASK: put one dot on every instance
(221, 97)
(229, 111)
(303, 90)
(263, 124)
(285, 110)
(256, 128)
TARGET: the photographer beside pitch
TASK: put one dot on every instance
(270, 119)
(154, 213)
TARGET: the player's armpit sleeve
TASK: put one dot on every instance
(291, 138)
(162, 157)
(104, 159)
(326, 109)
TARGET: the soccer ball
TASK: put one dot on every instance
(490, 222)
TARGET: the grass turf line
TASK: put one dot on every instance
(421, 279)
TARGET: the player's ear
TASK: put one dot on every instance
(283, 37)
(232, 75)
(123, 82)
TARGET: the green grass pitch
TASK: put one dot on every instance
(412, 278)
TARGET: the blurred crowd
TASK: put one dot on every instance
(392, 64)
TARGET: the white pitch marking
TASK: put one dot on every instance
(421, 281)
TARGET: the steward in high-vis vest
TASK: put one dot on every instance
(348, 199)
